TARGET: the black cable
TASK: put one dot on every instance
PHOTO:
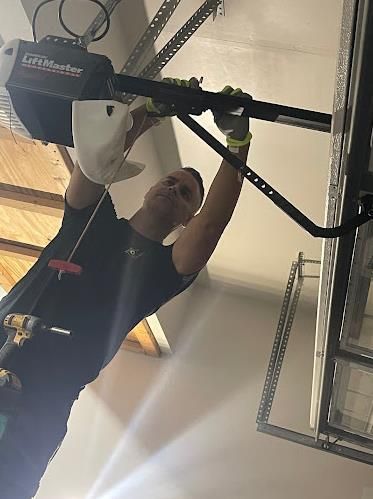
(36, 12)
(62, 22)
(75, 35)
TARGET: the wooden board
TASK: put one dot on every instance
(12, 270)
(27, 227)
(141, 339)
(24, 198)
(33, 165)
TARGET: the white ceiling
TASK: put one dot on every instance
(282, 51)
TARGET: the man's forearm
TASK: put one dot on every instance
(224, 192)
(141, 123)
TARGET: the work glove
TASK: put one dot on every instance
(160, 109)
(233, 126)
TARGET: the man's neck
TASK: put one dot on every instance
(148, 226)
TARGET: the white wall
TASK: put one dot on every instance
(13, 21)
(184, 427)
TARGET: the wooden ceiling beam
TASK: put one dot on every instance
(7, 281)
(20, 250)
(146, 339)
(142, 340)
(67, 161)
(132, 346)
(24, 198)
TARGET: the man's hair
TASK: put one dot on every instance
(198, 177)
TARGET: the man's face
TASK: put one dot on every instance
(176, 198)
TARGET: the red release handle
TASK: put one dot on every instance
(67, 267)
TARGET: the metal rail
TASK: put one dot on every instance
(319, 444)
(159, 21)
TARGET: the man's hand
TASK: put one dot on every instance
(160, 109)
(233, 126)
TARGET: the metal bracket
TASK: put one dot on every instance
(220, 10)
(284, 326)
(96, 24)
(319, 444)
(274, 369)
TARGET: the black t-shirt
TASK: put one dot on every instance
(126, 277)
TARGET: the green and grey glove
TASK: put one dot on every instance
(159, 109)
(234, 127)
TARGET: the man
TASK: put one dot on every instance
(127, 275)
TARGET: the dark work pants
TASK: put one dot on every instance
(31, 438)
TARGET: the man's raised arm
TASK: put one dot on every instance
(197, 242)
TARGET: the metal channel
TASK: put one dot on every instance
(175, 43)
(263, 413)
(97, 23)
(135, 61)
(323, 445)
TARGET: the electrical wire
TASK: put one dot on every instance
(63, 24)
(35, 15)
(75, 35)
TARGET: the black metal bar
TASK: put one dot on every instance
(362, 360)
(273, 195)
(195, 101)
(308, 441)
(348, 436)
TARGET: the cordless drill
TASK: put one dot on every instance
(19, 329)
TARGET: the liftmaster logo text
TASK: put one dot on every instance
(43, 63)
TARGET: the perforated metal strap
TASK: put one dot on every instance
(133, 65)
(282, 349)
(175, 43)
(262, 413)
